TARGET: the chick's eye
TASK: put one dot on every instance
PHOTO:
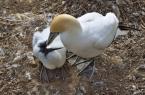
(43, 45)
(49, 17)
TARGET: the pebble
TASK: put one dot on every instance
(12, 66)
(143, 13)
(116, 60)
(136, 14)
(2, 53)
(99, 83)
(19, 56)
(82, 88)
(28, 75)
(81, 91)
(139, 72)
(120, 2)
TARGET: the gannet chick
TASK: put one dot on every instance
(52, 56)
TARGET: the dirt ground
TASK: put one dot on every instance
(120, 69)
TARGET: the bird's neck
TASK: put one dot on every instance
(71, 37)
(73, 32)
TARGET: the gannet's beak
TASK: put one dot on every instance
(52, 49)
(51, 37)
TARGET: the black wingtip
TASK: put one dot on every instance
(126, 27)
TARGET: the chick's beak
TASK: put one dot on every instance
(51, 37)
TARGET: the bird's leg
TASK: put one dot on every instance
(72, 55)
(47, 75)
(93, 69)
(76, 60)
(43, 73)
(85, 66)
(63, 72)
(92, 61)
(87, 60)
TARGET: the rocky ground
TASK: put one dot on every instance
(120, 69)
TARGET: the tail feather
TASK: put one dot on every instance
(126, 27)
(123, 29)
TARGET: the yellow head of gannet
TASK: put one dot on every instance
(63, 23)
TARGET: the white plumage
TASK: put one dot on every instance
(51, 60)
(86, 36)
(90, 34)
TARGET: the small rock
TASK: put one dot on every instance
(56, 93)
(2, 53)
(4, 11)
(139, 72)
(99, 83)
(141, 68)
(63, 2)
(133, 87)
(117, 63)
(82, 88)
(143, 13)
(22, 35)
(116, 60)
(138, 92)
(12, 66)
(29, 56)
(120, 2)
(15, 65)
(28, 75)
(37, 28)
(136, 14)
(1, 72)
(19, 56)
(107, 2)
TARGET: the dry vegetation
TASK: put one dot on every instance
(120, 69)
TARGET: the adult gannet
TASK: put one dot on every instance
(52, 56)
(86, 36)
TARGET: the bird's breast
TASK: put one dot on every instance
(81, 46)
(86, 52)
